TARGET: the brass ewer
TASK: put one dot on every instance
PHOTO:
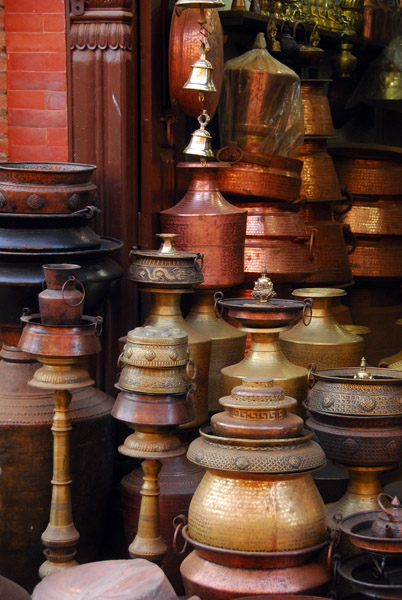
(265, 318)
(325, 342)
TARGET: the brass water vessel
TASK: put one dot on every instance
(256, 506)
(228, 342)
(325, 342)
(265, 318)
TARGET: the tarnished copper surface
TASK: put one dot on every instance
(319, 178)
(369, 169)
(269, 219)
(379, 257)
(167, 266)
(268, 176)
(228, 342)
(383, 216)
(184, 50)
(158, 409)
(61, 303)
(324, 342)
(40, 187)
(206, 221)
(316, 110)
(359, 529)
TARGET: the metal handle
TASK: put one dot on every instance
(98, 325)
(386, 510)
(132, 250)
(190, 364)
(178, 523)
(308, 306)
(311, 369)
(235, 154)
(218, 312)
(190, 396)
(348, 233)
(89, 212)
(200, 256)
(26, 311)
(349, 203)
(119, 360)
(313, 234)
(69, 280)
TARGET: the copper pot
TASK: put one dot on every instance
(184, 50)
(316, 110)
(254, 176)
(319, 178)
(379, 257)
(371, 170)
(380, 215)
(208, 222)
(61, 303)
(40, 187)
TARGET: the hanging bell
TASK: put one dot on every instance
(200, 143)
(199, 3)
(201, 73)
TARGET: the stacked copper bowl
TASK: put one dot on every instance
(256, 521)
(321, 190)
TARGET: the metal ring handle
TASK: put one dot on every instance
(200, 256)
(69, 280)
(218, 312)
(190, 396)
(348, 232)
(311, 369)
(132, 250)
(349, 203)
(178, 523)
(389, 497)
(119, 360)
(233, 150)
(98, 325)
(26, 311)
(311, 246)
(308, 306)
(190, 363)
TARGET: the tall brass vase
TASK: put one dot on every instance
(265, 358)
(228, 342)
(166, 311)
(324, 342)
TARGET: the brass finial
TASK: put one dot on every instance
(263, 287)
(167, 246)
(363, 373)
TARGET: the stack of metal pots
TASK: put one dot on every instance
(45, 210)
(321, 190)
(356, 414)
(373, 175)
(256, 521)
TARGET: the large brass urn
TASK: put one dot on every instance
(256, 520)
(324, 342)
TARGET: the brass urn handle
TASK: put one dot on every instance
(178, 523)
(313, 237)
(190, 396)
(199, 257)
(218, 310)
(191, 370)
(307, 311)
(311, 369)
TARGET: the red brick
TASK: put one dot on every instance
(36, 81)
(57, 136)
(40, 153)
(26, 98)
(26, 61)
(54, 23)
(35, 42)
(34, 6)
(3, 101)
(4, 146)
(27, 136)
(32, 117)
(23, 22)
(56, 61)
(56, 100)
(3, 126)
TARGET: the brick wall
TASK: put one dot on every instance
(36, 80)
(3, 89)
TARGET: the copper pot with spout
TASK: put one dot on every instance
(208, 222)
(316, 110)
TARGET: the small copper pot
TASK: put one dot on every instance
(61, 303)
(316, 110)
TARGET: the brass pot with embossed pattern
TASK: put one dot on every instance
(257, 505)
(324, 342)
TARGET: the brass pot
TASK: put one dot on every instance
(368, 169)
(394, 362)
(228, 342)
(184, 50)
(208, 222)
(376, 256)
(316, 110)
(254, 176)
(375, 215)
(167, 266)
(319, 178)
(324, 342)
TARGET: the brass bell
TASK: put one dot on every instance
(201, 73)
(200, 143)
(199, 4)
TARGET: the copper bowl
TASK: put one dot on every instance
(253, 313)
(152, 409)
(357, 528)
(371, 170)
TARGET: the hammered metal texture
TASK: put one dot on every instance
(319, 178)
(291, 458)
(155, 347)
(380, 258)
(370, 176)
(254, 514)
(154, 381)
(379, 217)
(330, 254)
(316, 110)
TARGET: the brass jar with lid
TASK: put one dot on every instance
(257, 506)
(265, 318)
(165, 309)
(324, 342)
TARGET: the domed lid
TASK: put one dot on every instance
(155, 347)
(165, 336)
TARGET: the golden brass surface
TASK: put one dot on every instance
(395, 361)
(324, 342)
(228, 342)
(166, 312)
(201, 73)
(148, 542)
(151, 442)
(154, 381)
(242, 511)
(200, 141)
(266, 358)
(344, 62)
(361, 495)
(155, 347)
(352, 13)
(60, 374)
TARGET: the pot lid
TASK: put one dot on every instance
(318, 292)
(362, 375)
(167, 249)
